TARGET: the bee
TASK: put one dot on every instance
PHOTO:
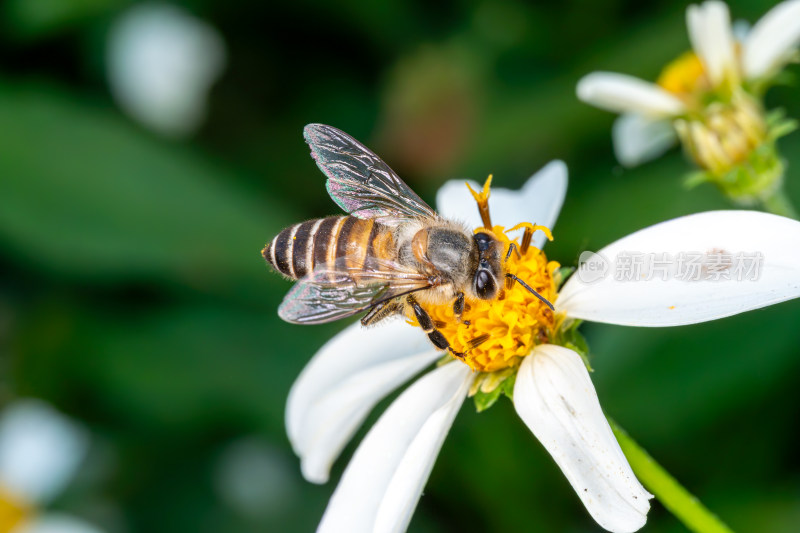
(391, 255)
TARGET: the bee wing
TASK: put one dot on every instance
(334, 291)
(359, 181)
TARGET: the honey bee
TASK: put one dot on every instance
(391, 255)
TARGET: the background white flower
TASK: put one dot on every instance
(161, 63)
(642, 132)
(40, 452)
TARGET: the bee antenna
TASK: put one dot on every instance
(532, 291)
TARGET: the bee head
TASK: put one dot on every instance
(485, 284)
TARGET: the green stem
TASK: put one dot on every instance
(779, 204)
(669, 492)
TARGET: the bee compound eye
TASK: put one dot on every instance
(483, 240)
(484, 284)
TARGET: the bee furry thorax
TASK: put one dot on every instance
(444, 249)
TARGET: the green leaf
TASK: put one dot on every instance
(31, 20)
(508, 386)
(164, 369)
(569, 336)
(86, 194)
(693, 179)
(484, 400)
(562, 274)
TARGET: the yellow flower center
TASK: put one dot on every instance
(725, 134)
(685, 76)
(13, 511)
(515, 322)
(723, 124)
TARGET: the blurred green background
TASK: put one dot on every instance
(133, 296)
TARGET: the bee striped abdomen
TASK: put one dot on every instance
(298, 249)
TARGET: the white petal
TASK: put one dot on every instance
(539, 201)
(40, 450)
(342, 383)
(626, 94)
(772, 40)
(710, 32)
(56, 523)
(384, 480)
(337, 415)
(556, 399)
(161, 63)
(682, 298)
(638, 139)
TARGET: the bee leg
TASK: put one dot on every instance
(426, 323)
(458, 308)
(512, 248)
(381, 311)
(436, 337)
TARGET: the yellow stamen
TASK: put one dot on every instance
(725, 135)
(483, 196)
(685, 76)
(482, 199)
(533, 228)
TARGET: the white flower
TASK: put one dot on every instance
(553, 393)
(648, 109)
(40, 452)
(161, 63)
(255, 478)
